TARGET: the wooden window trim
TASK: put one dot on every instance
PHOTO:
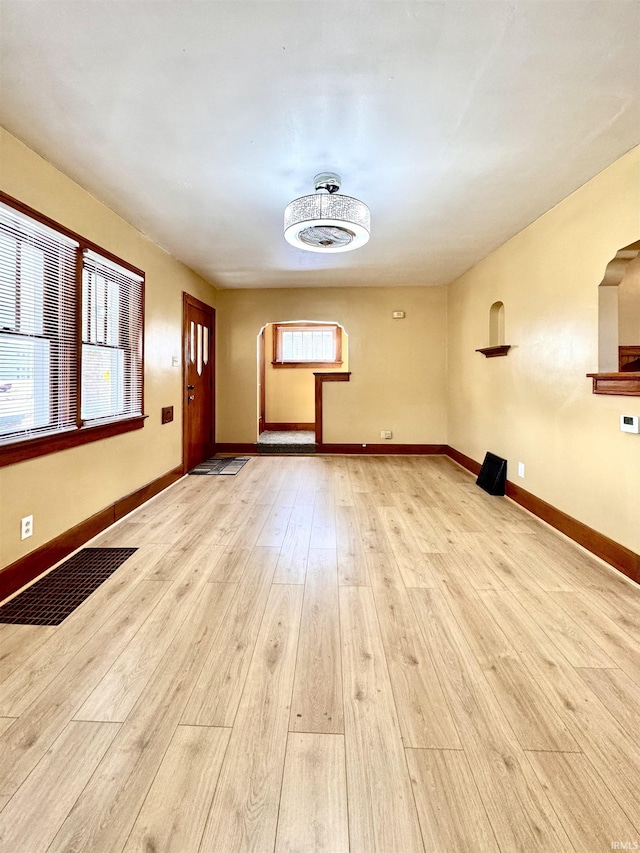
(41, 445)
(313, 364)
(10, 201)
(279, 363)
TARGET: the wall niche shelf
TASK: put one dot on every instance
(625, 384)
(493, 352)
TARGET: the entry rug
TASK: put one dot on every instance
(51, 599)
(229, 466)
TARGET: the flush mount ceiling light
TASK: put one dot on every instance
(327, 222)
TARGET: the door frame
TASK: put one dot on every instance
(189, 300)
(262, 378)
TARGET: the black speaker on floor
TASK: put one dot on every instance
(493, 474)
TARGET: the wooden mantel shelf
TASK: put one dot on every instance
(492, 352)
(625, 384)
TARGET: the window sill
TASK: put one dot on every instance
(313, 364)
(41, 445)
(623, 384)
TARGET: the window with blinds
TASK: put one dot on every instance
(38, 358)
(112, 320)
(309, 344)
(54, 380)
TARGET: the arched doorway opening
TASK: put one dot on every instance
(290, 352)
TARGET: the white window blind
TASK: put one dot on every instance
(112, 321)
(38, 377)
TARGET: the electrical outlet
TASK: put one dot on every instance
(386, 433)
(521, 469)
(26, 527)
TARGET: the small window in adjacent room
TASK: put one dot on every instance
(307, 345)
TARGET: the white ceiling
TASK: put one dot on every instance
(458, 123)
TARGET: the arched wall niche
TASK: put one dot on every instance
(496, 325)
(497, 345)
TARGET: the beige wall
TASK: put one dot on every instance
(536, 404)
(62, 489)
(290, 395)
(398, 367)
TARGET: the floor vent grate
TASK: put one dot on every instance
(229, 465)
(51, 599)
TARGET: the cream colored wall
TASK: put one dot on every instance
(62, 489)
(398, 367)
(536, 405)
(290, 391)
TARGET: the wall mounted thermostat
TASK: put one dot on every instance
(398, 315)
(630, 423)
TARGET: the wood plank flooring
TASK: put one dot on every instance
(329, 655)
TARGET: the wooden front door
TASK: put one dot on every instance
(198, 342)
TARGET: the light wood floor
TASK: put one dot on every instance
(329, 654)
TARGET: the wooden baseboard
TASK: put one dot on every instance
(130, 502)
(24, 570)
(466, 461)
(384, 449)
(618, 556)
(236, 447)
(351, 449)
(611, 552)
(286, 426)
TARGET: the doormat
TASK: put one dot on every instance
(229, 466)
(50, 600)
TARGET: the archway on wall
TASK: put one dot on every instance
(619, 312)
(290, 352)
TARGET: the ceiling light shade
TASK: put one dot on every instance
(327, 222)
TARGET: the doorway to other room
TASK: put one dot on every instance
(289, 354)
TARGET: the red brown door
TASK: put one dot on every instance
(198, 331)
